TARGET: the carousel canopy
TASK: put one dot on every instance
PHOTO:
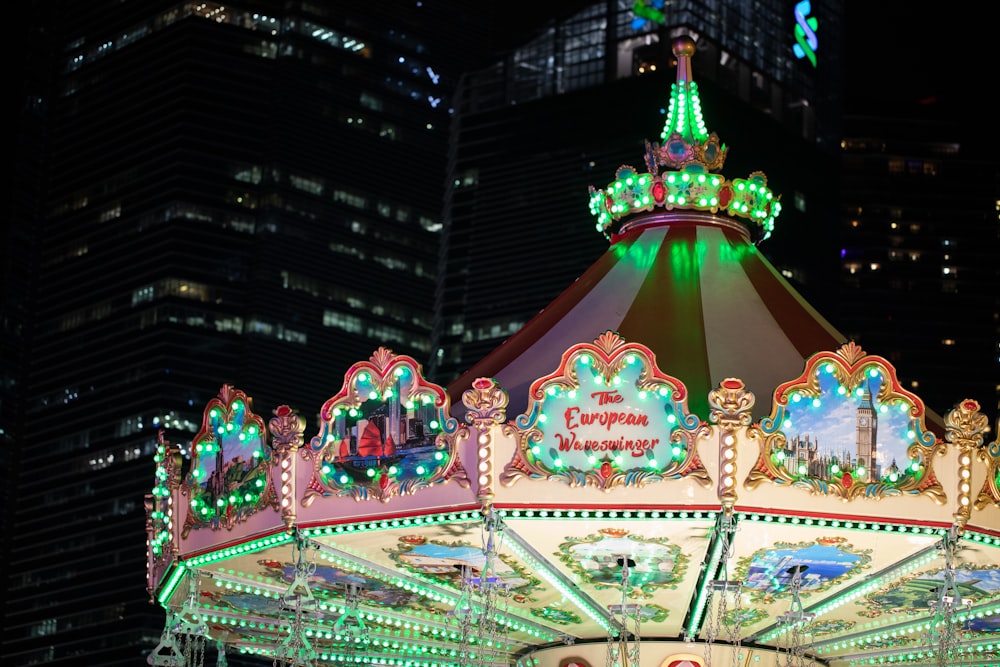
(682, 274)
(678, 463)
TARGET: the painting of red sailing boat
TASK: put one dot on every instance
(369, 447)
(384, 436)
(385, 433)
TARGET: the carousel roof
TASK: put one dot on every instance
(678, 462)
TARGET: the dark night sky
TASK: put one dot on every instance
(902, 51)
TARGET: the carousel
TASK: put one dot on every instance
(678, 463)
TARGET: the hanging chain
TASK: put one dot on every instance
(464, 616)
(712, 622)
(735, 616)
(795, 620)
(943, 634)
(350, 627)
(191, 628)
(623, 637)
(483, 602)
(298, 601)
(493, 593)
(720, 591)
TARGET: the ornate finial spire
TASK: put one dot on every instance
(690, 154)
(685, 138)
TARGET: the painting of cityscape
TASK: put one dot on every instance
(230, 476)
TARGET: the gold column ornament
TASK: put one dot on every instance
(286, 429)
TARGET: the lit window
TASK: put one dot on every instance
(391, 262)
(349, 198)
(250, 174)
(233, 324)
(111, 213)
(309, 185)
(800, 202)
(430, 225)
(145, 293)
(370, 101)
(349, 323)
(470, 177)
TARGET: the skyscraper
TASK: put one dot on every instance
(245, 193)
(918, 242)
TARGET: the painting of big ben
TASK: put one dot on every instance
(847, 436)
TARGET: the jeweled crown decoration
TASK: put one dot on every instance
(688, 155)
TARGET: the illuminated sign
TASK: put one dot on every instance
(608, 417)
(606, 426)
(805, 33)
(647, 11)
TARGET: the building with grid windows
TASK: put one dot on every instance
(210, 180)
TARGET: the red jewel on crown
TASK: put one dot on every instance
(725, 196)
(659, 192)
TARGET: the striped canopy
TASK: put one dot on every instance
(692, 288)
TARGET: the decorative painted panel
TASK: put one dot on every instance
(230, 476)
(386, 433)
(846, 428)
(607, 417)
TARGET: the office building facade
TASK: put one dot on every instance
(918, 239)
(241, 193)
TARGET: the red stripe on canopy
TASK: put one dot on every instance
(666, 316)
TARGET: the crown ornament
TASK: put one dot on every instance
(681, 171)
